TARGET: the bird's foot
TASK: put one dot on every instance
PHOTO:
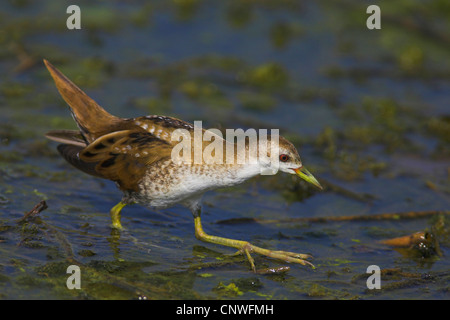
(247, 248)
(287, 256)
(115, 215)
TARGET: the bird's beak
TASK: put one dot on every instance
(307, 176)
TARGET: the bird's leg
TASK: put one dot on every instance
(115, 215)
(245, 247)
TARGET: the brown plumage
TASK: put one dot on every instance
(106, 146)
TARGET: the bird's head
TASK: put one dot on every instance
(289, 161)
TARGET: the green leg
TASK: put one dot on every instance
(115, 215)
(246, 248)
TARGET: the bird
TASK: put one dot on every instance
(137, 154)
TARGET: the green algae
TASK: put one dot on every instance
(229, 290)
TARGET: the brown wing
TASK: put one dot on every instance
(124, 156)
(71, 153)
(161, 126)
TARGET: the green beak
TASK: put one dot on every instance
(307, 176)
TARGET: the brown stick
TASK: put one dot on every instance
(381, 216)
(41, 206)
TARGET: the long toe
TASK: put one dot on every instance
(290, 257)
(302, 256)
(286, 256)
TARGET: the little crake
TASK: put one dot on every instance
(135, 153)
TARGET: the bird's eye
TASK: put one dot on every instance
(284, 157)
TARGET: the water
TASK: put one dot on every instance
(368, 111)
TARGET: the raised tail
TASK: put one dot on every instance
(92, 120)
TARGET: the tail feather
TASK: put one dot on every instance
(92, 120)
(72, 137)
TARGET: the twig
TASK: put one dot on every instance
(381, 216)
(364, 197)
(41, 206)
